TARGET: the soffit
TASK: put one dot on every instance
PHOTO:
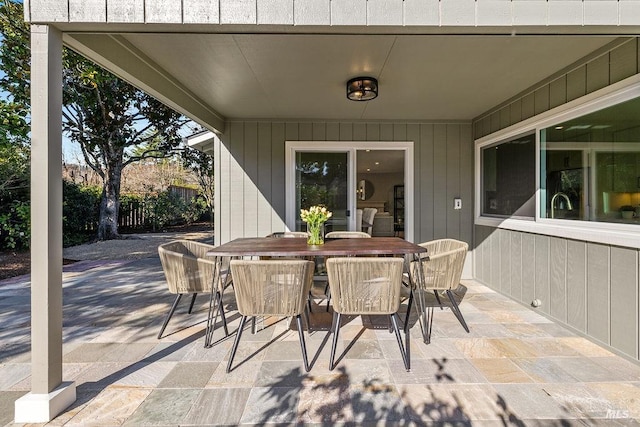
(302, 77)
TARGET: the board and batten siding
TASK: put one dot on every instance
(613, 63)
(590, 287)
(250, 163)
(456, 13)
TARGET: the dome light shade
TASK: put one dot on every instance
(362, 88)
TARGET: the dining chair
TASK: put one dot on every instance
(188, 271)
(291, 234)
(342, 235)
(271, 288)
(366, 286)
(368, 215)
(440, 274)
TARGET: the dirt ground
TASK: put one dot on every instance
(141, 245)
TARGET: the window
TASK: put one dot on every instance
(590, 166)
(508, 177)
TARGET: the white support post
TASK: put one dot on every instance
(49, 395)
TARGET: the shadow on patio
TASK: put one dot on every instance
(515, 367)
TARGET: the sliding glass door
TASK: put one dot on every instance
(322, 178)
(349, 175)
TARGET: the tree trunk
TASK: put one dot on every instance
(110, 202)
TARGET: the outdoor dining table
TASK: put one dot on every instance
(298, 247)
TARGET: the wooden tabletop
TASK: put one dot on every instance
(269, 246)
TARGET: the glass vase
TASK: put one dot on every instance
(315, 234)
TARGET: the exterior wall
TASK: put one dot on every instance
(589, 287)
(450, 13)
(603, 68)
(250, 166)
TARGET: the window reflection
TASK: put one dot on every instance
(590, 166)
(508, 178)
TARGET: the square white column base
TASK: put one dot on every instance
(41, 408)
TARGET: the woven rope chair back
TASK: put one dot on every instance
(184, 272)
(442, 267)
(273, 287)
(347, 235)
(365, 285)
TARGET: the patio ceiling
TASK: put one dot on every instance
(303, 76)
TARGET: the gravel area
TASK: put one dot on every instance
(133, 246)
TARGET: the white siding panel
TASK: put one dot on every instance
(312, 12)
(125, 11)
(201, 11)
(600, 12)
(349, 12)
(629, 12)
(529, 12)
(49, 11)
(88, 10)
(238, 12)
(384, 12)
(494, 12)
(275, 12)
(565, 12)
(421, 12)
(458, 12)
(163, 11)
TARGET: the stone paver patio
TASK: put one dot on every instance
(516, 367)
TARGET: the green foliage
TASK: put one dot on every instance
(168, 208)
(14, 53)
(201, 164)
(80, 210)
(15, 225)
(105, 115)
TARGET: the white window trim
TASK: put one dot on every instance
(598, 232)
(350, 147)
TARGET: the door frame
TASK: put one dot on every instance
(350, 147)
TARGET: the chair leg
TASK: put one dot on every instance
(215, 308)
(193, 300)
(220, 311)
(303, 346)
(327, 292)
(166, 320)
(406, 317)
(336, 330)
(309, 302)
(404, 351)
(456, 310)
(308, 319)
(236, 342)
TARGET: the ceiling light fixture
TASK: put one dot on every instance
(362, 89)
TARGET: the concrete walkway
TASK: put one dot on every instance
(514, 368)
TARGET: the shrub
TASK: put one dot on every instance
(15, 226)
(80, 212)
